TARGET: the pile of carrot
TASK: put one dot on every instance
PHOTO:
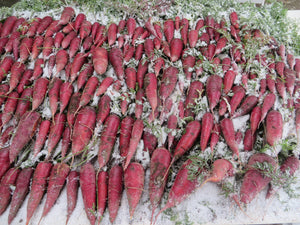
(70, 88)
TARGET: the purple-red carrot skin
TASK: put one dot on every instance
(193, 38)
(195, 90)
(213, 90)
(38, 69)
(87, 179)
(297, 121)
(61, 60)
(9, 107)
(21, 191)
(16, 72)
(39, 92)
(246, 106)
(65, 93)
(139, 51)
(36, 46)
(67, 39)
(69, 28)
(87, 43)
(45, 23)
(271, 83)
(172, 124)
(130, 77)
(72, 192)
(83, 129)
(9, 179)
(88, 91)
(255, 118)
(188, 63)
(53, 94)
(236, 99)
(33, 27)
(169, 29)
(249, 140)
(134, 178)
(221, 169)
(74, 47)
(4, 161)
(168, 82)
(207, 126)
(223, 105)
(228, 81)
(53, 28)
(150, 86)
(25, 48)
(141, 71)
(38, 187)
(25, 131)
(130, 24)
(66, 141)
(103, 109)
(268, 103)
(102, 192)
(59, 36)
(108, 138)
(67, 15)
(25, 80)
(116, 59)
(3, 92)
(125, 134)
(159, 164)
(112, 34)
(106, 82)
(6, 135)
(56, 130)
(176, 48)
(229, 135)
(41, 137)
(77, 63)
(274, 127)
(139, 103)
(95, 29)
(85, 73)
(280, 87)
(51, 64)
(78, 21)
(56, 182)
(187, 140)
(159, 64)
(5, 66)
(150, 142)
(8, 26)
(115, 190)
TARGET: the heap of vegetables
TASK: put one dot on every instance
(72, 90)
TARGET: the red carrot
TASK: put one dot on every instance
(139, 52)
(6, 135)
(8, 26)
(150, 83)
(88, 91)
(41, 137)
(85, 73)
(102, 192)
(116, 59)
(107, 81)
(236, 99)
(141, 71)
(112, 34)
(168, 82)
(130, 77)
(249, 140)
(215, 134)
(274, 124)
(65, 93)
(38, 187)
(3, 43)
(59, 36)
(207, 126)
(22, 189)
(134, 177)
(9, 45)
(5, 66)
(4, 161)
(139, 103)
(77, 63)
(56, 130)
(130, 24)
(53, 28)
(39, 92)
(213, 90)
(25, 48)
(48, 45)
(159, 64)
(78, 21)
(169, 30)
(267, 105)
(72, 192)
(9, 107)
(229, 135)
(25, 131)
(16, 72)
(188, 64)
(33, 27)
(73, 106)
(95, 27)
(193, 38)
(9, 179)
(228, 81)
(115, 190)
(125, 135)
(271, 83)
(255, 119)
(38, 69)
(23, 103)
(3, 93)
(279, 67)
(66, 140)
(56, 182)
(85, 29)
(103, 109)
(61, 60)
(137, 33)
(67, 15)
(194, 92)
(290, 78)
(67, 39)
(74, 47)
(176, 48)
(223, 106)
(25, 80)
(246, 106)
(83, 129)
(87, 43)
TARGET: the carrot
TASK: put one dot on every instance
(48, 45)
(213, 90)
(83, 129)
(169, 30)
(67, 15)
(172, 125)
(25, 131)
(130, 25)
(269, 101)
(5, 67)
(56, 130)
(247, 105)
(73, 106)
(100, 36)
(130, 77)
(108, 139)
(3, 93)
(85, 29)
(176, 47)
(77, 63)
(78, 21)
(290, 78)
(159, 164)
(16, 72)
(183, 186)
(39, 92)
(271, 83)
(207, 126)
(297, 67)
(141, 71)
(103, 109)
(59, 36)
(61, 60)
(72, 192)
(112, 34)
(33, 27)
(25, 80)
(85, 73)
(9, 107)
(193, 38)
(53, 28)
(9, 179)
(87, 43)
(255, 119)
(38, 69)
(65, 93)
(199, 24)
(4, 161)
(116, 59)
(125, 134)
(95, 27)
(67, 39)
(221, 169)
(279, 67)
(223, 105)
(139, 51)
(297, 123)
(188, 64)
(22, 189)
(8, 26)
(107, 81)
(228, 80)
(51, 64)
(6, 135)
(159, 64)
(249, 140)
(102, 192)
(25, 48)
(239, 94)
(194, 92)
(229, 135)
(3, 43)
(150, 82)
(115, 189)
(41, 137)
(8, 46)
(254, 181)
(134, 178)
(66, 140)
(137, 33)
(234, 20)
(38, 187)
(74, 46)
(139, 103)
(274, 124)
(88, 92)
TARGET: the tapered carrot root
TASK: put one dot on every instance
(229, 135)
(274, 125)
(72, 192)
(41, 137)
(150, 82)
(102, 192)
